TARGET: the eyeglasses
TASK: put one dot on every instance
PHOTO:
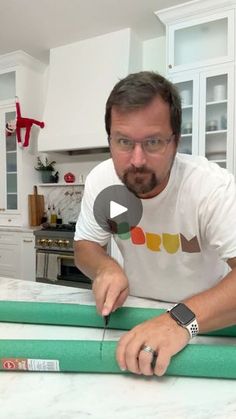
(152, 145)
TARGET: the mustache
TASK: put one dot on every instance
(138, 170)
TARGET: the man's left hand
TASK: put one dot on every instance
(162, 334)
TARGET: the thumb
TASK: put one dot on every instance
(112, 296)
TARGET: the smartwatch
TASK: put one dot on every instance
(185, 318)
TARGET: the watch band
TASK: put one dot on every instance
(192, 328)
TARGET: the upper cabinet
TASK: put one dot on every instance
(9, 163)
(207, 113)
(199, 44)
(81, 76)
(7, 85)
(22, 76)
(188, 87)
(201, 63)
(197, 35)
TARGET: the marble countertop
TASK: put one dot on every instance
(102, 396)
(13, 229)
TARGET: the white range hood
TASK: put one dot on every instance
(81, 76)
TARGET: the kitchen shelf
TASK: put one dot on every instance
(219, 102)
(187, 107)
(219, 131)
(59, 184)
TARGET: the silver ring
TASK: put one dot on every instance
(148, 349)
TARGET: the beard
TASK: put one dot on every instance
(140, 180)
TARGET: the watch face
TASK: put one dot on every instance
(182, 314)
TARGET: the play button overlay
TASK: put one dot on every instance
(116, 209)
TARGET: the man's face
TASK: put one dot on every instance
(144, 170)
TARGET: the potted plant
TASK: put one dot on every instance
(46, 168)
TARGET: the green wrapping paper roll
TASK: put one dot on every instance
(214, 361)
(82, 315)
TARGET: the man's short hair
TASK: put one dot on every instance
(137, 90)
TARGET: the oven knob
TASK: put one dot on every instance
(66, 243)
(50, 242)
(60, 243)
(42, 242)
(55, 243)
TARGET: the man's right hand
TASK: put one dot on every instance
(110, 288)
(110, 284)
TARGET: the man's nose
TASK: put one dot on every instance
(138, 157)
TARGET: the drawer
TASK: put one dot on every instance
(10, 220)
(10, 238)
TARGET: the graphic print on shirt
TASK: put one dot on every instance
(171, 243)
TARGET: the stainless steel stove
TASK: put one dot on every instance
(54, 238)
(55, 257)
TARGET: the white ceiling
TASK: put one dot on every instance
(35, 26)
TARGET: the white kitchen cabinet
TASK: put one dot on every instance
(10, 260)
(7, 85)
(188, 87)
(199, 33)
(216, 134)
(11, 160)
(17, 255)
(201, 62)
(22, 76)
(28, 257)
(207, 109)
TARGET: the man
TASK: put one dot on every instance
(184, 247)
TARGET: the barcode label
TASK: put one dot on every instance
(43, 365)
(24, 364)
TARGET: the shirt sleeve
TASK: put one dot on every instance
(87, 227)
(218, 218)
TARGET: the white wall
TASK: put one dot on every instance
(77, 164)
(154, 55)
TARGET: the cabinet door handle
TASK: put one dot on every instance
(170, 66)
(27, 241)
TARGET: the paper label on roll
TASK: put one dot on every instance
(24, 364)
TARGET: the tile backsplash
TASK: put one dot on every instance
(67, 199)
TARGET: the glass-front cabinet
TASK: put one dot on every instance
(10, 163)
(201, 62)
(188, 88)
(202, 42)
(207, 109)
(23, 76)
(216, 132)
(7, 85)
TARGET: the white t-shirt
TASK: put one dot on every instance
(186, 233)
